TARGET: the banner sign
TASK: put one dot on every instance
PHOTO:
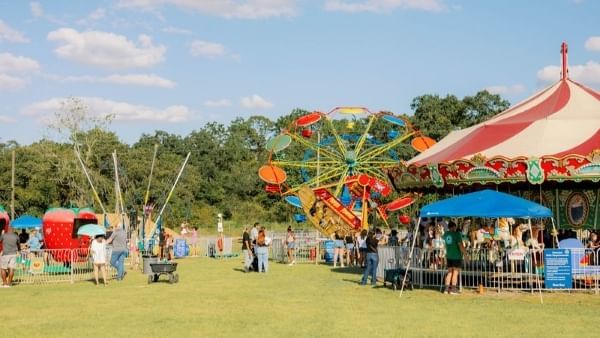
(557, 264)
(180, 249)
(516, 254)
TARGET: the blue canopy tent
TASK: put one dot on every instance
(486, 204)
(26, 222)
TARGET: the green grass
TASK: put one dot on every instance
(214, 298)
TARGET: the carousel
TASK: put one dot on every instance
(545, 148)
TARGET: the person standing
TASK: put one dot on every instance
(8, 260)
(372, 259)
(262, 251)
(118, 238)
(247, 250)
(194, 242)
(290, 241)
(162, 243)
(134, 252)
(23, 237)
(98, 251)
(338, 248)
(454, 256)
(362, 248)
(254, 233)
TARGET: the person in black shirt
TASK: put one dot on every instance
(246, 250)
(162, 243)
(23, 236)
(372, 259)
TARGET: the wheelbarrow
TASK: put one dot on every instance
(164, 268)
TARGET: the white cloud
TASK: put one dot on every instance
(593, 44)
(146, 80)
(122, 111)
(106, 50)
(217, 103)
(255, 102)
(9, 34)
(380, 6)
(11, 83)
(175, 30)
(96, 15)
(588, 73)
(507, 90)
(150, 80)
(243, 9)
(207, 49)
(17, 64)
(36, 9)
(7, 119)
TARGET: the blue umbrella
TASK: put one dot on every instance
(26, 222)
(91, 230)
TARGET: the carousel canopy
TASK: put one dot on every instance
(560, 120)
(487, 204)
(552, 135)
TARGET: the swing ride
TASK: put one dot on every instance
(334, 165)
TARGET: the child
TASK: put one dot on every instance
(439, 249)
(98, 251)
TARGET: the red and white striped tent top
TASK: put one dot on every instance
(560, 120)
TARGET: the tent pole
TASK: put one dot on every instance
(554, 234)
(557, 206)
(537, 276)
(12, 185)
(412, 248)
(596, 209)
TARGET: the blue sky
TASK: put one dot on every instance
(174, 65)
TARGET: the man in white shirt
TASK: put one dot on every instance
(254, 233)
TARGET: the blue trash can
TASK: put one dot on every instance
(328, 245)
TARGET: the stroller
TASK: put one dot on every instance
(395, 276)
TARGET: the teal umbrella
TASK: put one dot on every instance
(26, 222)
(91, 230)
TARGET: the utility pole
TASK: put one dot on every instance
(12, 184)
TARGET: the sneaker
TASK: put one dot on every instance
(5, 286)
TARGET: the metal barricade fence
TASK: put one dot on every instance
(56, 266)
(509, 270)
(585, 270)
(306, 247)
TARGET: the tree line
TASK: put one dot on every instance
(220, 177)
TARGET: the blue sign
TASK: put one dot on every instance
(557, 266)
(181, 248)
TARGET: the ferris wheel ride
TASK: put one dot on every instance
(333, 165)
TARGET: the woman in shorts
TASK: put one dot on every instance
(290, 240)
(98, 251)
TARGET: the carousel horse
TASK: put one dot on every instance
(534, 239)
(503, 226)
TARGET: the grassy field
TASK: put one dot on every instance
(215, 298)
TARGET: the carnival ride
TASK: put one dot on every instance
(334, 165)
(545, 148)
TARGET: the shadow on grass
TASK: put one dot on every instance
(354, 270)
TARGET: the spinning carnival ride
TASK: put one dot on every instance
(334, 165)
